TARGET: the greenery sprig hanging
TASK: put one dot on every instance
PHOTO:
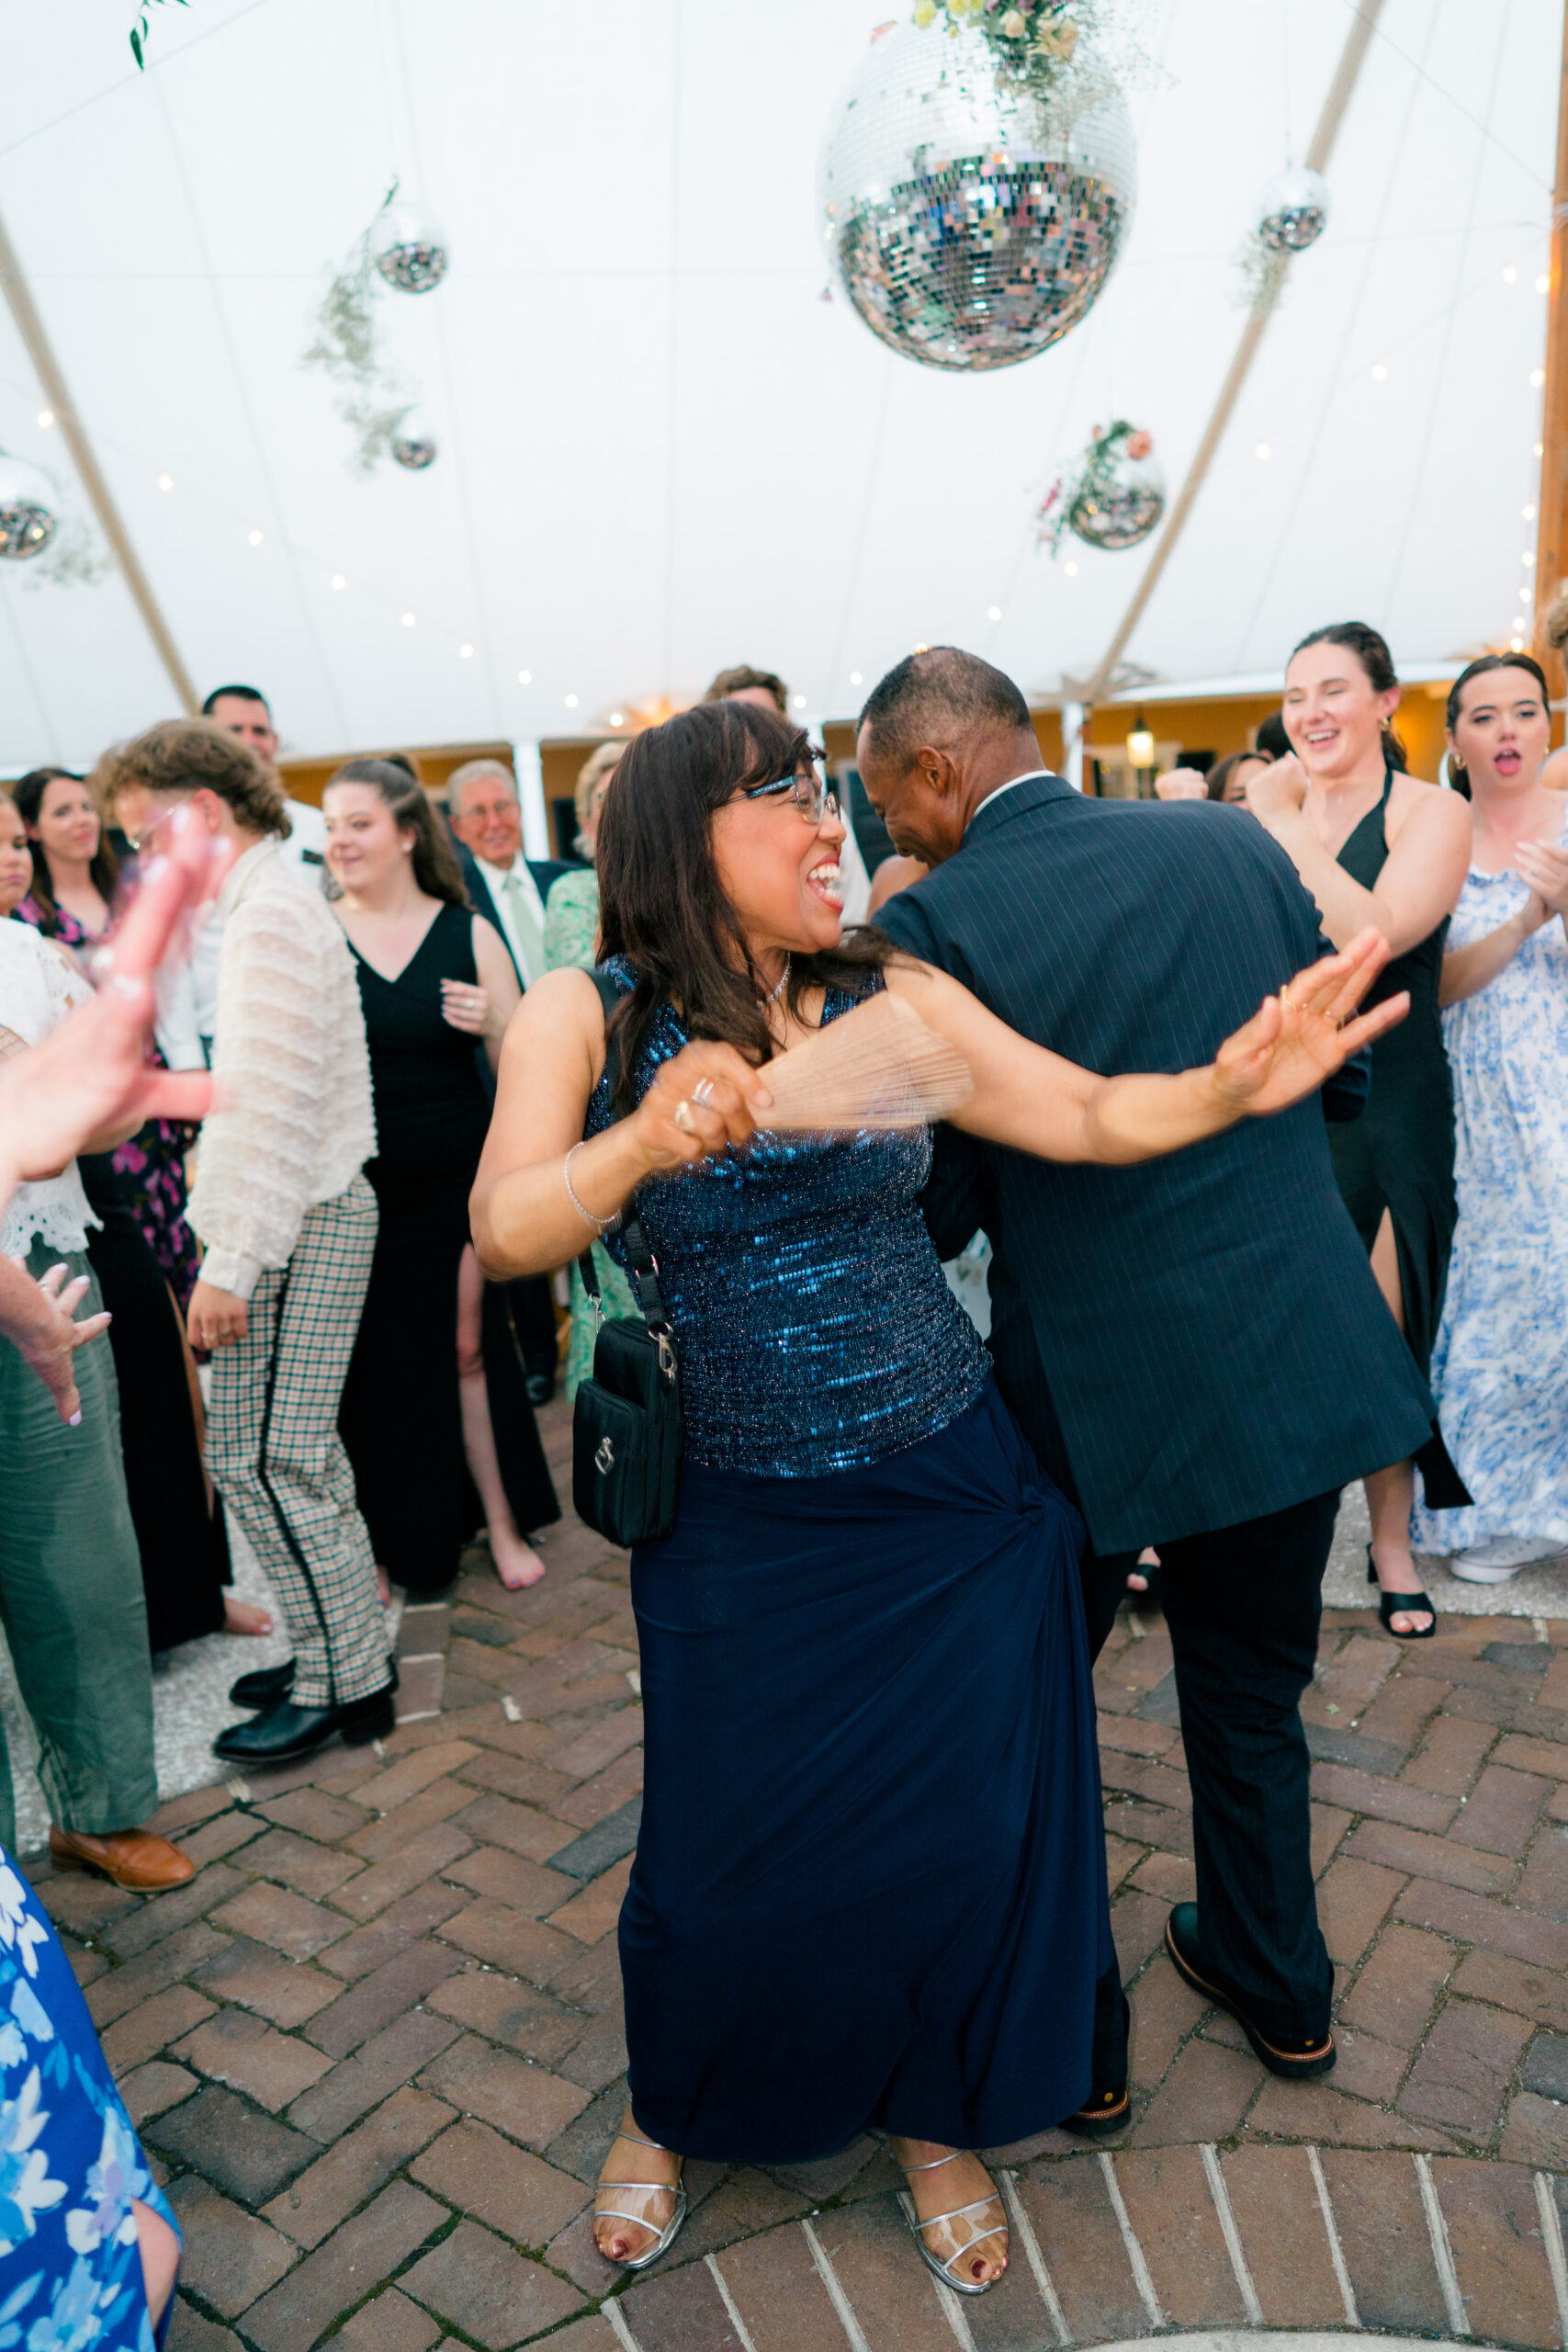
(372, 400)
(1070, 56)
(140, 30)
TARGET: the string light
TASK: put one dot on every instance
(993, 612)
(338, 580)
(1510, 275)
(407, 620)
(617, 718)
(923, 648)
(45, 418)
(572, 702)
(465, 653)
(524, 677)
(1543, 284)
(1071, 570)
(1526, 561)
(1516, 645)
(1540, 448)
(1529, 514)
(1263, 450)
(256, 538)
(855, 678)
(1379, 373)
(798, 701)
(1537, 378)
(165, 481)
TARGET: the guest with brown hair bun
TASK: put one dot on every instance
(1375, 845)
(436, 1353)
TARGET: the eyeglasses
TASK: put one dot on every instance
(811, 796)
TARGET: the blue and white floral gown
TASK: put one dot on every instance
(1500, 1365)
(70, 2162)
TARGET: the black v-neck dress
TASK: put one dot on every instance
(1399, 1155)
(400, 1417)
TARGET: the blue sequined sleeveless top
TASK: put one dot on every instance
(816, 1327)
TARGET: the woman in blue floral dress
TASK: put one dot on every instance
(88, 2246)
(1500, 1364)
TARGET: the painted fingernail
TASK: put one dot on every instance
(75, 1422)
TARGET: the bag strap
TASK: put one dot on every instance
(644, 1264)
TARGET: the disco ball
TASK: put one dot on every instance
(1120, 503)
(970, 226)
(411, 251)
(28, 516)
(414, 445)
(1295, 211)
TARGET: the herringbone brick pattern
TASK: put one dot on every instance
(375, 2046)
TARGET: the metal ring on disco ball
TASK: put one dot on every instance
(971, 225)
(414, 449)
(1122, 505)
(28, 518)
(411, 251)
(1295, 211)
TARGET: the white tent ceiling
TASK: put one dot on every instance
(660, 450)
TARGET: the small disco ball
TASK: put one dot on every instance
(412, 252)
(414, 447)
(969, 228)
(1295, 211)
(29, 516)
(1121, 504)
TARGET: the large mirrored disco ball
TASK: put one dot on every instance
(1295, 212)
(1120, 504)
(28, 515)
(411, 249)
(971, 225)
(414, 445)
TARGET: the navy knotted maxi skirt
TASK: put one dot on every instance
(870, 1885)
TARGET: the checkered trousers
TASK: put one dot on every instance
(276, 1457)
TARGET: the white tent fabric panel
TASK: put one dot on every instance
(660, 450)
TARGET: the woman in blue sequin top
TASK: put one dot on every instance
(870, 1885)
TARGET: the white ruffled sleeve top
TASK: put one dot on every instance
(291, 1064)
(39, 985)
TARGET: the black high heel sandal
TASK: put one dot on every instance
(1402, 1604)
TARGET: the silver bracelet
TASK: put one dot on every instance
(602, 1223)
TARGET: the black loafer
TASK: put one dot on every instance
(1294, 2062)
(267, 1684)
(1101, 2116)
(284, 1733)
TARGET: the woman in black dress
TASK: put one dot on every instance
(1375, 845)
(436, 1380)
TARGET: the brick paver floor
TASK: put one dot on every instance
(376, 2046)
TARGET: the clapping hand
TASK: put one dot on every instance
(706, 1096)
(1545, 868)
(1302, 1036)
(1277, 790)
(465, 1007)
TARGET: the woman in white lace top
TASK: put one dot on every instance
(71, 1597)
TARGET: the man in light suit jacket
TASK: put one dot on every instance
(509, 892)
(1195, 1347)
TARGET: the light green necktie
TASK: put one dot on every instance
(521, 905)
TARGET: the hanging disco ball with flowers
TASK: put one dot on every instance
(414, 445)
(972, 203)
(1295, 212)
(411, 249)
(1111, 496)
(30, 514)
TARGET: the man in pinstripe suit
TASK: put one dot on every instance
(1195, 1347)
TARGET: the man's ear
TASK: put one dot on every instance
(939, 770)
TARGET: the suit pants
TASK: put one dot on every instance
(71, 1597)
(276, 1457)
(1241, 1605)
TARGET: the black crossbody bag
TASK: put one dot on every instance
(626, 1431)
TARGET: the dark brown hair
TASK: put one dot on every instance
(197, 755)
(1220, 775)
(1371, 651)
(435, 867)
(661, 903)
(1459, 775)
(737, 681)
(28, 793)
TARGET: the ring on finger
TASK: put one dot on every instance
(1286, 998)
(703, 1091)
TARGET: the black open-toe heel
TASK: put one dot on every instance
(1402, 1604)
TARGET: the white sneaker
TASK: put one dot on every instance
(1502, 1557)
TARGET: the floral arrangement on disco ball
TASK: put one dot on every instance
(402, 248)
(1110, 496)
(1292, 214)
(54, 548)
(1033, 40)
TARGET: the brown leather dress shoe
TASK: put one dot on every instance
(133, 1858)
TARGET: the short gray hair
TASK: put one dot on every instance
(474, 772)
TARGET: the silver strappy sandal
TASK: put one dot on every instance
(664, 2238)
(944, 2270)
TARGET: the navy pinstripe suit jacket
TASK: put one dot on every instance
(1197, 1340)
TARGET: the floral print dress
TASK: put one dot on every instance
(70, 2162)
(149, 1169)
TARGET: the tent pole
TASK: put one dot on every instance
(1552, 526)
(1357, 43)
(30, 327)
